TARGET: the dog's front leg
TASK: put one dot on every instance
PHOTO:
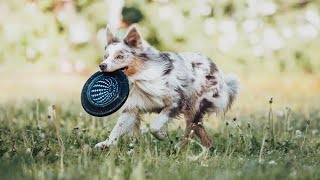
(127, 122)
(156, 127)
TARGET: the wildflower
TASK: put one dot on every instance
(130, 152)
(134, 140)
(298, 134)
(272, 162)
(131, 145)
(204, 164)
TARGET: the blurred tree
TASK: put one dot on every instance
(54, 31)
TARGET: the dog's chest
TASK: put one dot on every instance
(146, 95)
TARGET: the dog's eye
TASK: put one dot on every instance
(119, 57)
(105, 56)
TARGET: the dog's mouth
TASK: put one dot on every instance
(124, 69)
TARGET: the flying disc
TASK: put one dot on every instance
(104, 93)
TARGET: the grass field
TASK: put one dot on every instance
(39, 142)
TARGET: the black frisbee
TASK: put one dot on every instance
(105, 93)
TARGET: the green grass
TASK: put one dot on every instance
(30, 149)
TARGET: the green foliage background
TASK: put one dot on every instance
(36, 33)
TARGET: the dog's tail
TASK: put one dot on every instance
(233, 88)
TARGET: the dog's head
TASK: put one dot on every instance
(123, 54)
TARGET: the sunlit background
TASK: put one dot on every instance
(50, 47)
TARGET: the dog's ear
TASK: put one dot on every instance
(133, 38)
(110, 37)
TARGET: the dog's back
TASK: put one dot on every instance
(186, 80)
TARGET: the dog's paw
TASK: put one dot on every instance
(160, 134)
(102, 145)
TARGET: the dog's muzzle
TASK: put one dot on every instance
(103, 66)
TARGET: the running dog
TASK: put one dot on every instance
(168, 83)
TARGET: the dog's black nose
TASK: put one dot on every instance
(103, 66)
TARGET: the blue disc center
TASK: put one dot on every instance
(103, 91)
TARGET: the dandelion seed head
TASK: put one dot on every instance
(271, 100)
(298, 134)
(272, 162)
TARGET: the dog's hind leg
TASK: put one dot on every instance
(198, 129)
(204, 107)
(203, 135)
(187, 133)
(195, 124)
